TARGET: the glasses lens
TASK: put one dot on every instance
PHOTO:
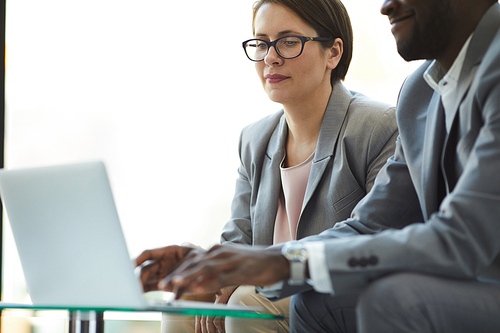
(256, 49)
(289, 47)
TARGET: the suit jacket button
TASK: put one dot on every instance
(353, 262)
(363, 262)
(373, 260)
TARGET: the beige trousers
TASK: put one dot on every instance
(243, 295)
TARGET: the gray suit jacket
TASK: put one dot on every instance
(406, 225)
(357, 137)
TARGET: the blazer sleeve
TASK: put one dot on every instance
(381, 146)
(459, 240)
(252, 150)
(239, 228)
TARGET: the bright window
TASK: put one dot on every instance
(138, 85)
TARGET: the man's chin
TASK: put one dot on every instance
(409, 53)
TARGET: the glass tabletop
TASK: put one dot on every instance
(187, 308)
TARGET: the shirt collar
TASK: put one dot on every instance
(436, 76)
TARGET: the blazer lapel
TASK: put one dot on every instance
(269, 187)
(471, 61)
(479, 44)
(333, 120)
(434, 135)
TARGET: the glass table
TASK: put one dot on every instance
(91, 319)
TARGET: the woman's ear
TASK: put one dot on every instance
(335, 53)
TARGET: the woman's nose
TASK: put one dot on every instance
(272, 58)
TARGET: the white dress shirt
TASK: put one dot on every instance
(445, 83)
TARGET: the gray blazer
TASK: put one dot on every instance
(411, 228)
(357, 137)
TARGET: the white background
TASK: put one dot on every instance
(159, 90)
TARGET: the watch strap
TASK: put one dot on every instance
(297, 273)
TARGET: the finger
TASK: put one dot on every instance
(174, 261)
(219, 324)
(144, 256)
(172, 253)
(202, 276)
(210, 325)
(149, 276)
(168, 260)
(149, 255)
(152, 268)
(190, 260)
(152, 274)
(203, 325)
(167, 282)
(178, 292)
(197, 324)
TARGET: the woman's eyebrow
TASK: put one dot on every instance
(288, 32)
(280, 34)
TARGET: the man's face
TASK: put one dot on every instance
(422, 28)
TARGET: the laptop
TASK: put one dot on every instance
(70, 242)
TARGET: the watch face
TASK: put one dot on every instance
(294, 251)
(297, 255)
(298, 252)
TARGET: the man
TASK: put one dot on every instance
(419, 252)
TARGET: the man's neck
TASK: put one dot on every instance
(468, 18)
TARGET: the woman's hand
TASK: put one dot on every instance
(204, 324)
(156, 264)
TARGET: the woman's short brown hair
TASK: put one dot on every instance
(328, 18)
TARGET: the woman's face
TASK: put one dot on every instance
(292, 81)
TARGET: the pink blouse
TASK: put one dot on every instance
(294, 183)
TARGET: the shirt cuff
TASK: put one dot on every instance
(272, 291)
(318, 269)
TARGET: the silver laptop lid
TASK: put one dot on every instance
(69, 237)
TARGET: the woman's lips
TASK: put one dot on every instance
(275, 78)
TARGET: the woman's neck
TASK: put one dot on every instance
(304, 124)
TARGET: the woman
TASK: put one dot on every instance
(304, 168)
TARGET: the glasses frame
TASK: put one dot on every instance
(303, 39)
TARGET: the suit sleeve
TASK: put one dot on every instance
(460, 240)
(391, 203)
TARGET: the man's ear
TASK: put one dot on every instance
(335, 53)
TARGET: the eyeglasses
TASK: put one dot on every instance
(287, 47)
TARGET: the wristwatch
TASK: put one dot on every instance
(297, 256)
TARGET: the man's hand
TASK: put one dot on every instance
(158, 263)
(228, 265)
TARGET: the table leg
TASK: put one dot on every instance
(86, 322)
